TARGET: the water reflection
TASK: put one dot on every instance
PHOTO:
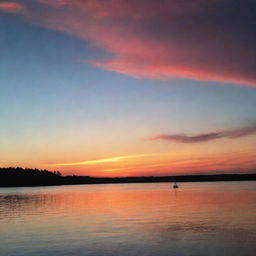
(131, 219)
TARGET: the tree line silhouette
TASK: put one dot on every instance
(17, 176)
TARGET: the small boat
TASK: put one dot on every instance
(175, 185)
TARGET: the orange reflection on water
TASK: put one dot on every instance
(142, 215)
(153, 205)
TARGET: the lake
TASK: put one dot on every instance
(211, 218)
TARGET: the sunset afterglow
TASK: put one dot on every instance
(128, 88)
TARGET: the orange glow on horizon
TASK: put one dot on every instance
(163, 163)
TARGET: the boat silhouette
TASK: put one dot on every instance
(175, 186)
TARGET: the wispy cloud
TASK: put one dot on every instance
(109, 159)
(11, 7)
(183, 138)
(210, 40)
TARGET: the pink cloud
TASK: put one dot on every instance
(204, 40)
(11, 7)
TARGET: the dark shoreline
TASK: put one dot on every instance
(19, 177)
(72, 180)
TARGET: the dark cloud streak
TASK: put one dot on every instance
(230, 134)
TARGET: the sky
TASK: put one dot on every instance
(128, 88)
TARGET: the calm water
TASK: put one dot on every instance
(129, 219)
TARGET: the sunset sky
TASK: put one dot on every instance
(128, 87)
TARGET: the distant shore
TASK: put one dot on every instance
(19, 177)
(68, 180)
